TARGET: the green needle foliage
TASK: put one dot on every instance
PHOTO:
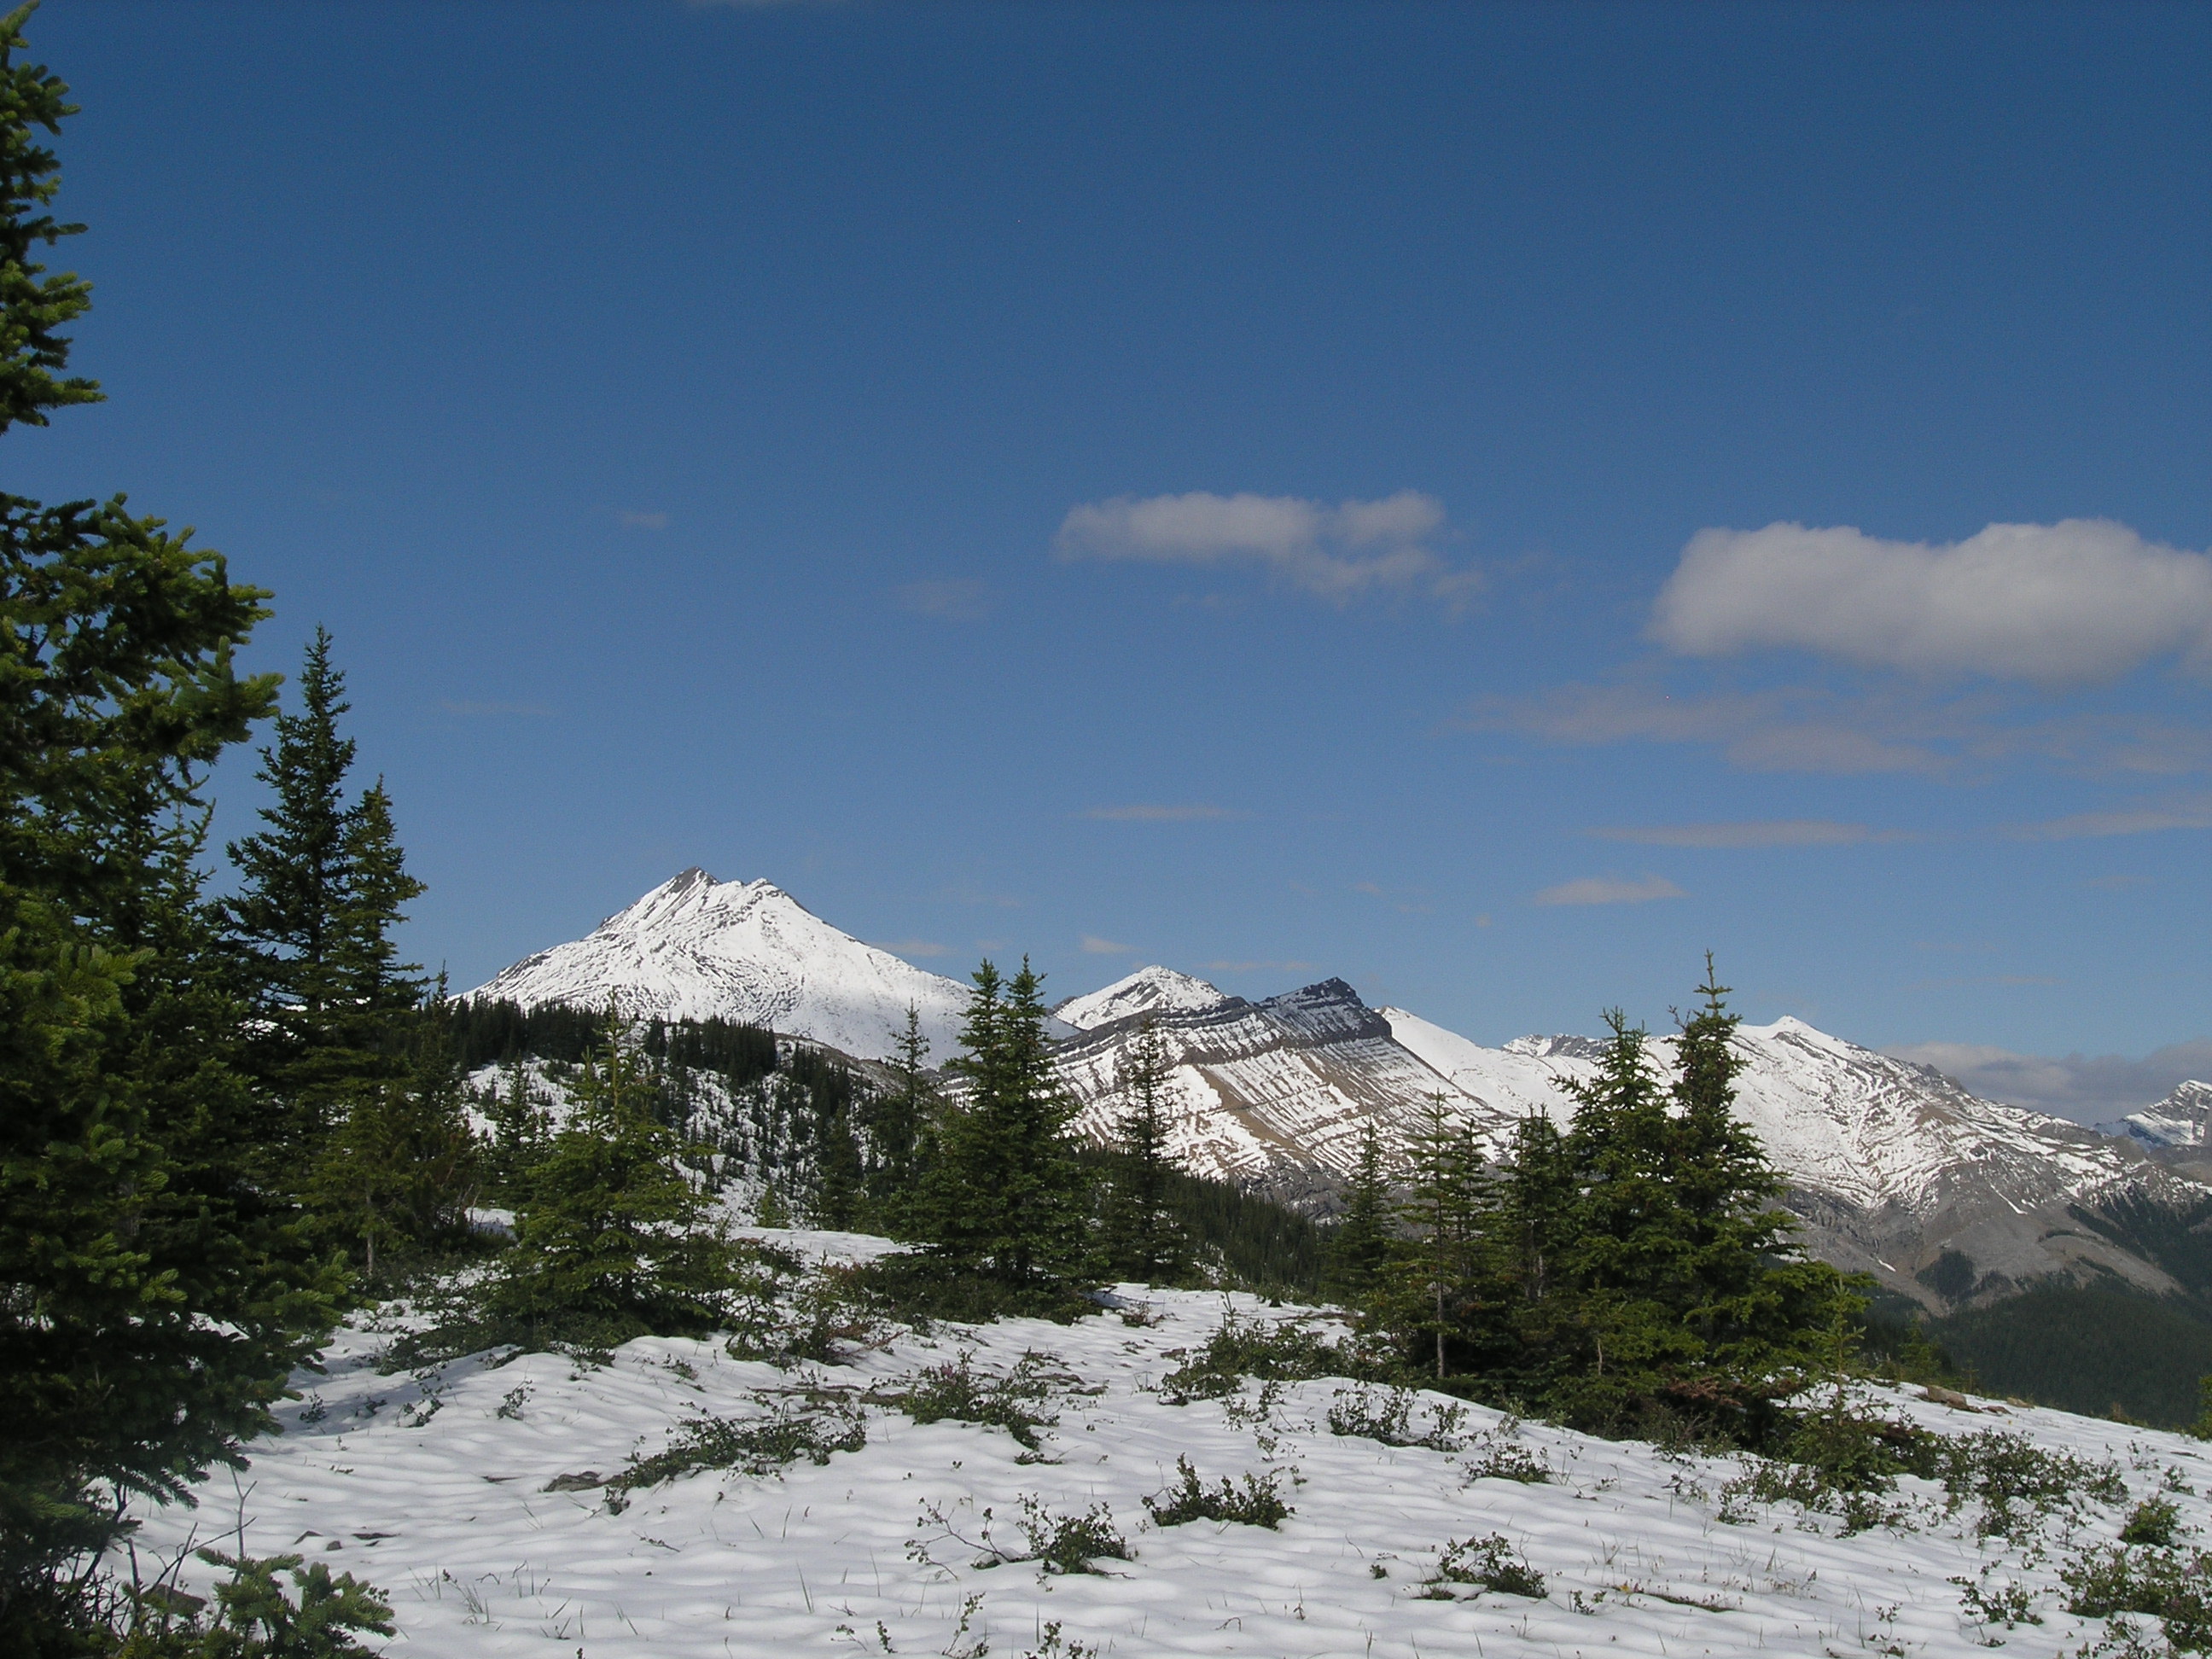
(1144, 1240)
(1007, 1194)
(613, 1240)
(156, 1296)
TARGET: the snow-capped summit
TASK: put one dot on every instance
(2182, 1121)
(696, 948)
(1148, 991)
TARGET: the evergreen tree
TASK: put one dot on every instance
(1143, 1239)
(402, 1166)
(321, 889)
(1433, 1276)
(155, 1305)
(1007, 1192)
(896, 1122)
(1360, 1244)
(519, 1128)
(613, 1241)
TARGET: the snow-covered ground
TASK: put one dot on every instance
(442, 1491)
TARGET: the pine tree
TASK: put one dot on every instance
(157, 1302)
(613, 1241)
(321, 889)
(1360, 1245)
(1143, 1240)
(520, 1127)
(1006, 1192)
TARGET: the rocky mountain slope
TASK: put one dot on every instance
(1896, 1169)
(1892, 1165)
(697, 948)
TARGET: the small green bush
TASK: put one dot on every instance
(2174, 1589)
(1238, 1349)
(1489, 1564)
(958, 1393)
(1258, 1503)
(758, 1446)
(255, 1617)
(1388, 1415)
(2016, 1481)
(1066, 1543)
(2155, 1521)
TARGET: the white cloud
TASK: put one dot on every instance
(1254, 967)
(1609, 889)
(2088, 1089)
(644, 521)
(1149, 814)
(2081, 599)
(1095, 946)
(910, 947)
(1774, 832)
(1336, 552)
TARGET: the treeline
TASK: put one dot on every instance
(1631, 1274)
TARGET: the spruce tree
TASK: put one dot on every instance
(1360, 1243)
(1006, 1192)
(156, 1301)
(613, 1241)
(1143, 1239)
(321, 889)
(1434, 1275)
(402, 1167)
(894, 1121)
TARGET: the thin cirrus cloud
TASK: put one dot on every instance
(956, 600)
(911, 947)
(2080, 600)
(2141, 820)
(1812, 728)
(1143, 813)
(1610, 889)
(1256, 967)
(1335, 553)
(1771, 832)
(1095, 946)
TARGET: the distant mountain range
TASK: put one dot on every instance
(1896, 1169)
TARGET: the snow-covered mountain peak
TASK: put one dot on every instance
(1153, 990)
(2183, 1119)
(697, 948)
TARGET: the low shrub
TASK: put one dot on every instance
(2156, 1520)
(1489, 1564)
(2174, 1589)
(1389, 1415)
(256, 1617)
(758, 1446)
(1257, 1504)
(1498, 1456)
(921, 1290)
(958, 1393)
(1288, 1352)
(2016, 1481)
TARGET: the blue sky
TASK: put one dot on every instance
(1279, 490)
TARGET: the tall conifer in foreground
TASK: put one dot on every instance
(155, 1305)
